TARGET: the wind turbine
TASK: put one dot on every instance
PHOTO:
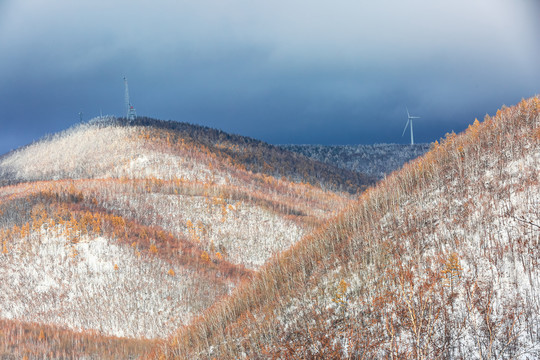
(409, 120)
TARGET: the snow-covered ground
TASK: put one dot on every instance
(462, 263)
(95, 284)
(242, 232)
(213, 208)
(492, 224)
(89, 151)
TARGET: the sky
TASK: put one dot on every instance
(294, 71)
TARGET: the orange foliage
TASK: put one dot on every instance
(27, 340)
(405, 303)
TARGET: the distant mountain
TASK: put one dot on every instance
(376, 160)
(438, 261)
(132, 229)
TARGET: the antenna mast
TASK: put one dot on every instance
(131, 114)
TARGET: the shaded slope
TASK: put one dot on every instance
(260, 157)
(438, 261)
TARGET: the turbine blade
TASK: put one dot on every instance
(408, 115)
(407, 124)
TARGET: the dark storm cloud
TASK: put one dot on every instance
(285, 72)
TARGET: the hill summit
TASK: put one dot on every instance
(114, 148)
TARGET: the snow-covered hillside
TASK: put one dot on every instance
(132, 230)
(439, 260)
(95, 284)
(247, 235)
(166, 150)
(376, 160)
(101, 150)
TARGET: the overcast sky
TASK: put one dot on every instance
(306, 71)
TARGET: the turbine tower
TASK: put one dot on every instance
(131, 114)
(409, 120)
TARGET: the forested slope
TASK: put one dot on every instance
(260, 157)
(439, 260)
(131, 230)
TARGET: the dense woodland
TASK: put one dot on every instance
(49, 342)
(377, 160)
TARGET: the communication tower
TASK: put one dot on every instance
(131, 114)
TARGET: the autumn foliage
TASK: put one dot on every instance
(37, 341)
